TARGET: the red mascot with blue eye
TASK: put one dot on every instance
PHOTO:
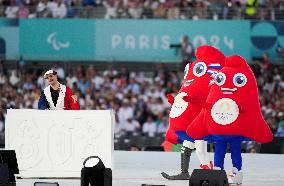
(187, 105)
(231, 114)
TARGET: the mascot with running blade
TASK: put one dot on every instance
(187, 104)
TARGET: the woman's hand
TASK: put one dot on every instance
(75, 98)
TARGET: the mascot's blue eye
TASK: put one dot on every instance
(239, 79)
(199, 69)
(220, 78)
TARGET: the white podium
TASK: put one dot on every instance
(54, 143)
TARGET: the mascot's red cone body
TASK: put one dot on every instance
(188, 104)
(193, 93)
(232, 106)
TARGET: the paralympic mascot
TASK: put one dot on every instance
(187, 104)
(231, 114)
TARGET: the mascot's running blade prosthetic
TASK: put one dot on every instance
(231, 114)
(188, 104)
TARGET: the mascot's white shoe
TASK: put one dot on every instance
(217, 168)
(236, 177)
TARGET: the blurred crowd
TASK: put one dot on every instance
(270, 81)
(137, 9)
(138, 97)
(195, 9)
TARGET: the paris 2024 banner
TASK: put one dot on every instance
(135, 40)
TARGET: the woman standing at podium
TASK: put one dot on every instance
(57, 96)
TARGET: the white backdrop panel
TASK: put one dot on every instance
(54, 143)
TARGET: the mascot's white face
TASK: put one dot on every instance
(225, 111)
(179, 105)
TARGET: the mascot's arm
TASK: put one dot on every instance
(262, 132)
(171, 137)
(171, 99)
(197, 128)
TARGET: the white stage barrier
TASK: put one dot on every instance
(54, 143)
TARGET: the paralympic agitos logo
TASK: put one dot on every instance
(55, 43)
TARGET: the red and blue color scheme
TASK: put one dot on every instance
(193, 93)
(232, 112)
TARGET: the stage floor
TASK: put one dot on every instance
(136, 168)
